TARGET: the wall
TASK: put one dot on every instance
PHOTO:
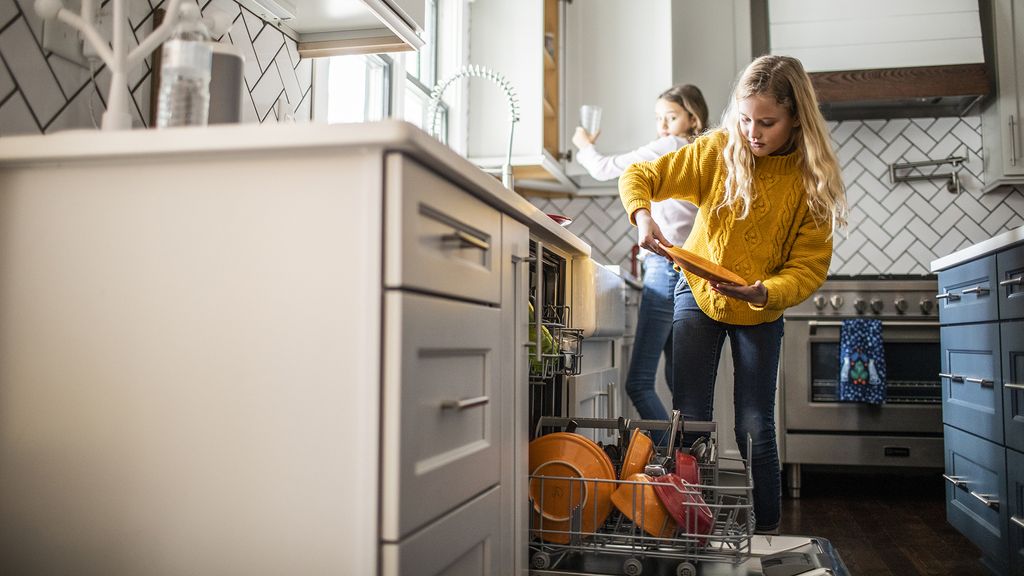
(44, 93)
(894, 229)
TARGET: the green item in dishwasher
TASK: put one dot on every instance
(547, 345)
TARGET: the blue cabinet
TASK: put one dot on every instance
(981, 312)
(1015, 510)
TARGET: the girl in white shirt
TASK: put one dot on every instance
(681, 114)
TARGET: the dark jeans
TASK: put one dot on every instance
(653, 336)
(697, 346)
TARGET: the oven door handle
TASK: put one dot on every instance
(909, 323)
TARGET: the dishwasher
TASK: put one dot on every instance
(574, 529)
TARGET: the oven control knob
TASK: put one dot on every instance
(927, 304)
(860, 305)
(901, 305)
(819, 302)
(836, 301)
(877, 305)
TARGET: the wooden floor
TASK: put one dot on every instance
(882, 523)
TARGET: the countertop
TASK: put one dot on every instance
(983, 248)
(387, 135)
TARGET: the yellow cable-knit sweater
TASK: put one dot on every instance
(779, 242)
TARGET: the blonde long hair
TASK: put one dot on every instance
(783, 78)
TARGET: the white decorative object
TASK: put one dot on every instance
(116, 55)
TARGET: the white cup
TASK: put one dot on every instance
(590, 118)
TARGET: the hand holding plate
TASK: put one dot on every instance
(649, 234)
(756, 293)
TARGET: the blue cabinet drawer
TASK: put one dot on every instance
(975, 492)
(1012, 352)
(1015, 512)
(967, 293)
(1010, 268)
(972, 398)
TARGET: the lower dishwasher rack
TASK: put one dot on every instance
(718, 525)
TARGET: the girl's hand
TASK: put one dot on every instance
(582, 138)
(649, 235)
(756, 293)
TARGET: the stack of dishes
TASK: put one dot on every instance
(570, 464)
(638, 502)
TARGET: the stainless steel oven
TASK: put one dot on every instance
(904, 431)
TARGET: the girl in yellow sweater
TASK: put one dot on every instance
(770, 195)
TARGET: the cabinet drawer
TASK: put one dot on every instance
(441, 408)
(976, 472)
(967, 293)
(438, 237)
(972, 397)
(1015, 509)
(464, 543)
(1010, 268)
(1012, 348)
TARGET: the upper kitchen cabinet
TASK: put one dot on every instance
(618, 55)
(884, 59)
(522, 41)
(1003, 158)
(338, 27)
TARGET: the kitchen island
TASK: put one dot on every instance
(261, 350)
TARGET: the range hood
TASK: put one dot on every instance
(912, 92)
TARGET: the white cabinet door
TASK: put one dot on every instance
(618, 56)
(441, 408)
(1002, 134)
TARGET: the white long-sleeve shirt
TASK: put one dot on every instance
(674, 217)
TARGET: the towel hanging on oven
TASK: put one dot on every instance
(861, 362)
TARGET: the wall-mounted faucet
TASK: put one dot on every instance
(477, 71)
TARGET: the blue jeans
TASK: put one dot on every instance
(653, 336)
(697, 345)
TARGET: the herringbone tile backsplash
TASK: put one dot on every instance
(894, 228)
(42, 92)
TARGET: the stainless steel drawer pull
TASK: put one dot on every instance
(1014, 386)
(1017, 520)
(1012, 281)
(979, 290)
(465, 239)
(956, 481)
(953, 377)
(947, 296)
(986, 499)
(985, 383)
(465, 403)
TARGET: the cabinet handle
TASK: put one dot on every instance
(1014, 386)
(1012, 281)
(947, 296)
(982, 381)
(952, 377)
(538, 278)
(979, 290)
(1013, 141)
(465, 403)
(986, 499)
(467, 240)
(1017, 520)
(956, 481)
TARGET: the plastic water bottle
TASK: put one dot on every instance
(185, 66)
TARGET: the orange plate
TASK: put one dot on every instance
(703, 267)
(638, 454)
(639, 503)
(565, 458)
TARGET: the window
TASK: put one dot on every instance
(365, 88)
(357, 89)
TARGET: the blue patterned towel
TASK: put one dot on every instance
(861, 362)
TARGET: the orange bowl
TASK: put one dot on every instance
(638, 454)
(569, 463)
(639, 503)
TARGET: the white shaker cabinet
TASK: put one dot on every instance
(224, 370)
(1002, 132)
